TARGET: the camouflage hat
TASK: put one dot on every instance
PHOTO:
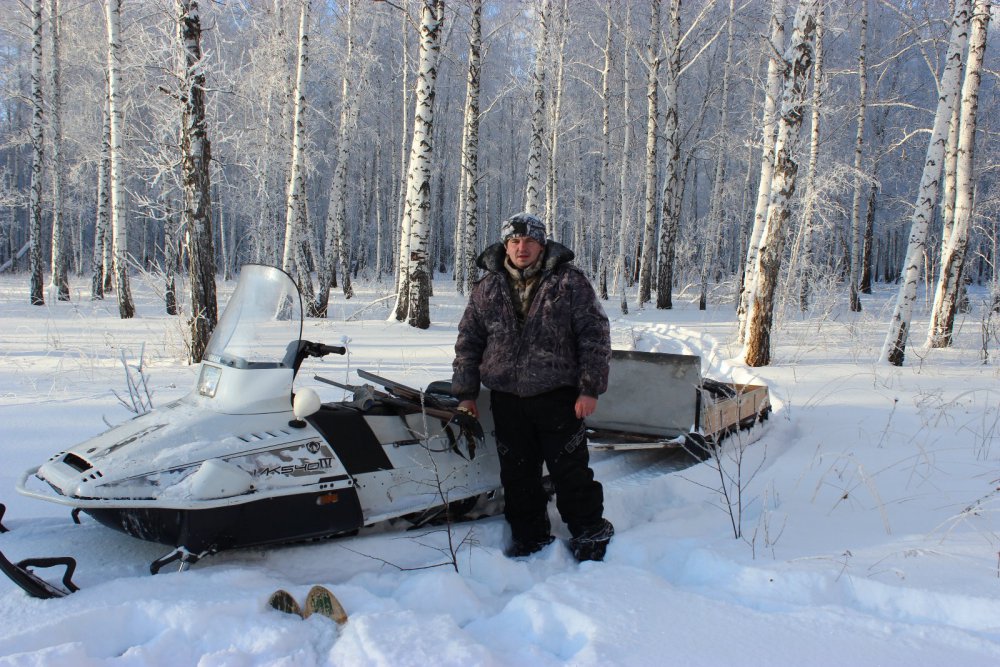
(522, 224)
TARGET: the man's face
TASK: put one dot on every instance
(523, 251)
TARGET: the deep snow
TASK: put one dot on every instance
(870, 533)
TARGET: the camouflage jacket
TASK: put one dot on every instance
(565, 339)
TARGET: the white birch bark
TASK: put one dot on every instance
(413, 300)
(196, 155)
(894, 347)
(296, 178)
(859, 181)
(949, 286)
(805, 250)
(715, 215)
(102, 215)
(336, 217)
(760, 317)
(604, 251)
(60, 262)
(536, 156)
(769, 129)
(653, 58)
(554, 130)
(469, 222)
(37, 290)
(119, 223)
(624, 210)
(670, 202)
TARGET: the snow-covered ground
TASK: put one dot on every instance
(869, 513)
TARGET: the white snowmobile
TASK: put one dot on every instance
(243, 460)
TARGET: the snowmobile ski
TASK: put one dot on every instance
(3, 510)
(34, 585)
(320, 600)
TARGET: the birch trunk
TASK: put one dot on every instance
(119, 223)
(769, 128)
(469, 224)
(554, 128)
(60, 261)
(196, 156)
(760, 317)
(854, 277)
(949, 287)
(715, 216)
(536, 156)
(37, 289)
(336, 217)
(670, 204)
(296, 178)
(413, 300)
(894, 347)
(624, 210)
(604, 251)
(102, 216)
(805, 253)
(653, 57)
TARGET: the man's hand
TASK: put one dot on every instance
(585, 406)
(468, 406)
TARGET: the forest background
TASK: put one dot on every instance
(380, 140)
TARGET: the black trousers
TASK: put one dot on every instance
(539, 429)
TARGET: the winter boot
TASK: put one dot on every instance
(592, 542)
(522, 547)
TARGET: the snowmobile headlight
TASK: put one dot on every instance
(208, 381)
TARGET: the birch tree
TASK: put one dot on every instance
(37, 294)
(769, 129)
(805, 254)
(119, 223)
(624, 210)
(102, 214)
(196, 155)
(670, 202)
(413, 298)
(604, 251)
(555, 128)
(295, 192)
(798, 58)
(336, 220)
(536, 156)
(855, 257)
(468, 222)
(948, 292)
(894, 347)
(715, 215)
(653, 57)
(59, 277)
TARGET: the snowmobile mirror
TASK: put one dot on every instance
(306, 403)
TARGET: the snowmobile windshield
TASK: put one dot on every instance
(262, 323)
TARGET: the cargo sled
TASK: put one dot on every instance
(244, 460)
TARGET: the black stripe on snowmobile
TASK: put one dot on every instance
(347, 432)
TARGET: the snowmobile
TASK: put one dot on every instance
(245, 460)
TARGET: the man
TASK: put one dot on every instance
(534, 332)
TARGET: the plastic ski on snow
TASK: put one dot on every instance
(34, 585)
